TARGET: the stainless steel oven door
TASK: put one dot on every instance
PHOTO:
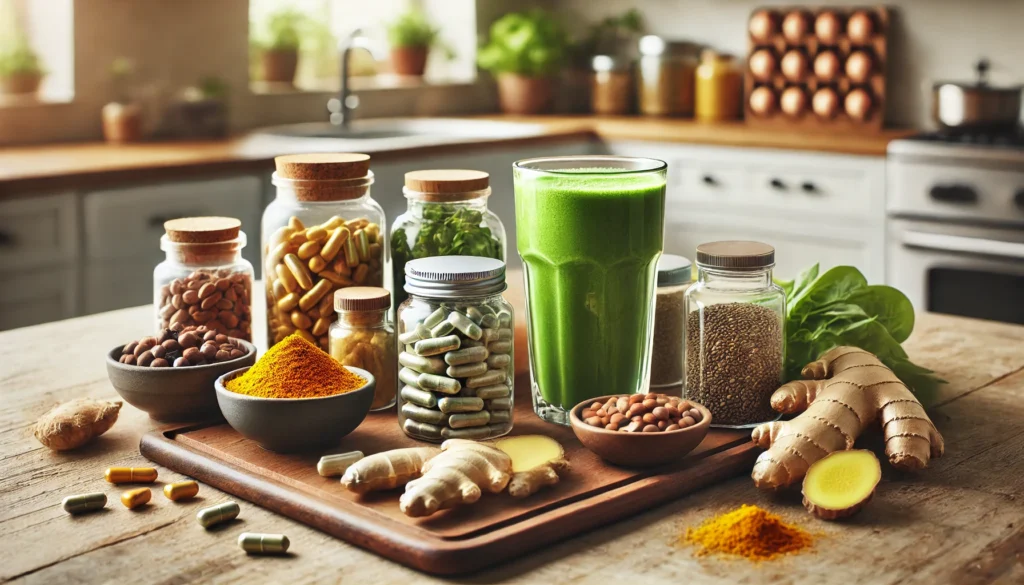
(960, 270)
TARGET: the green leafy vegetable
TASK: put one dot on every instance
(412, 29)
(840, 308)
(20, 60)
(528, 43)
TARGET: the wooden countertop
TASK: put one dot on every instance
(85, 165)
(960, 521)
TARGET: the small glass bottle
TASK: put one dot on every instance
(718, 88)
(204, 280)
(667, 348)
(735, 333)
(363, 337)
(612, 86)
(456, 339)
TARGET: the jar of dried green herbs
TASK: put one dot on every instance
(447, 216)
(667, 346)
(735, 333)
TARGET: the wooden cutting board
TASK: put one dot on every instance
(462, 540)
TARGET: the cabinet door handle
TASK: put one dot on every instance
(1018, 198)
(777, 184)
(709, 180)
(6, 240)
(809, 187)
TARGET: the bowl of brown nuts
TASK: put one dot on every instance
(640, 430)
(171, 376)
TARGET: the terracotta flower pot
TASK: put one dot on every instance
(20, 83)
(279, 66)
(519, 94)
(409, 60)
(122, 122)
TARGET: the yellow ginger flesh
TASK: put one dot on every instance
(537, 461)
(841, 483)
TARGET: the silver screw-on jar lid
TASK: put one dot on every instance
(454, 277)
(673, 270)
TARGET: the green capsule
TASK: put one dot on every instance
(218, 514)
(474, 314)
(499, 361)
(467, 355)
(473, 419)
(424, 415)
(409, 377)
(465, 325)
(335, 465)
(488, 335)
(422, 364)
(504, 334)
(450, 404)
(495, 391)
(437, 345)
(499, 404)
(490, 378)
(410, 337)
(263, 544)
(439, 383)
(442, 328)
(501, 416)
(466, 433)
(436, 317)
(489, 321)
(473, 343)
(425, 430)
(487, 310)
(504, 318)
(84, 503)
(418, 397)
(467, 371)
(499, 346)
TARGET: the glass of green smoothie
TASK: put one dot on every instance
(590, 230)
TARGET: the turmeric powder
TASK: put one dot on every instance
(295, 368)
(750, 532)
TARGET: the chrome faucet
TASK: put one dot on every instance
(343, 106)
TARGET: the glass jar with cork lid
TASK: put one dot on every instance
(735, 333)
(363, 337)
(204, 280)
(447, 216)
(323, 232)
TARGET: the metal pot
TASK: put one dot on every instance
(977, 106)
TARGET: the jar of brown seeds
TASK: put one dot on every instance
(735, 333)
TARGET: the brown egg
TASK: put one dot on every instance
(762, 64)
(858, 104)
(794, 65)
(795, 26)
(762, 101)
(826, 66)
(858, 66)
(825, 103)
(762, 26)
(860, 27)
(827, 27)
(793, 101)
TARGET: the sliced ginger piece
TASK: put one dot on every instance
(537, 461)
(841, 483)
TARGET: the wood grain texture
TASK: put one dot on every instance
(957, 522)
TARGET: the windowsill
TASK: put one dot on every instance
(31, 100)
(382, 81)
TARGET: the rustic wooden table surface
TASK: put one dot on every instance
(961, 521)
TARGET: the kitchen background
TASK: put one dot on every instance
(941, 218)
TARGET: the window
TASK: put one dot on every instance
(36, 51)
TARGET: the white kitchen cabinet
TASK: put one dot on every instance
(37, 296)
(40, 231)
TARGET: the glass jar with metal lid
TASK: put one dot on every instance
(735, 333)
(612, 85)
(456, 363)
(364, 337)
(323, 232)
(667, 347)
(447, 216)
(665, 77)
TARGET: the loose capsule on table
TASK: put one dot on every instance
(134, 498)
(181, 490)
(84, 503)
(214, 515)
(263, 544)
(335, 465)
(131, 475)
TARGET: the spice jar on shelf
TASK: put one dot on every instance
(718, 88)
(447, 216)
(612, 88)
(735, 333)
(667, 347)
(323, 232)
(204, 280)
(455, 350)
(363, 337)
(665, 77)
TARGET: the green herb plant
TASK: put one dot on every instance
(20, 60)
(412, 29)
(530, 43)
(282, 31)
(610, 36)
(840, 308)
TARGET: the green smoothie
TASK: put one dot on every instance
(590, 240)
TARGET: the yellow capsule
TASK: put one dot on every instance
(295, 223)
(134, 498)
(286, 278)
(317, 264)
(308, 250)
(333, 223)
(299, 271)
(334, 243)
(181, 490)
(131, 475)
(263, 544)
(351, 253)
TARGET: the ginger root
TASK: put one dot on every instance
(841, 483)
(537, 461)
(387, 470)
(848, 388)
(457, 476)
(73, 424)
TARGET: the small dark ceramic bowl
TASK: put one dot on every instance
(173, 394)
(287, 425)
(639, 449)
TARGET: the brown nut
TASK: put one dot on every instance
(144, 359)
(159, 363)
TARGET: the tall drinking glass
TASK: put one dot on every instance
(589, 230)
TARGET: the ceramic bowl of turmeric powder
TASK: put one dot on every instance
(295, 398)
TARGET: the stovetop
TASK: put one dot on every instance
(962, 147)
(1008, 139)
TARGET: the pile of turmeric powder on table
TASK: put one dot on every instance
(295, 368)
(750, 532)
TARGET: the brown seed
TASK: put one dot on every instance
(687, 421)
(594, 421)
(611, 427)
(209, 335)
(159, 363)
(190, 297)
(181, 362)
(649, 418)
(130, 348)
(144, 359)
(616, 418)
(586, 413)
(649, 404)
(207, 290)
(635, 398)
(651, 428)
(660, 413)
(636, 409)
(209, 350)
(672, 427)
(222, 355)
(188, 339)
(662, 424)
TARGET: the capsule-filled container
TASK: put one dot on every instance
(455, 358)
(364, 337)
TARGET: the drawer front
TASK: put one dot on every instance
(710, 183)
(30, 298)
(116, 284)
(839, 192)
(36, 232)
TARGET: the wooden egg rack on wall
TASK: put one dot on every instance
(817, 69)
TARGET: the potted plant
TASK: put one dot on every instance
(411, 37)
(279, 50)
(20, 70)
(525, 51)
(122, 118)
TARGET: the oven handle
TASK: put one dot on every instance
(948, 243)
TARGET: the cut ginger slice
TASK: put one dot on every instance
(536, 462)
(839, 484)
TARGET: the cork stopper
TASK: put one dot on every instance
(202, 230)
(447, 184)
(736, 255)
(362, 298)
(324, 176)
